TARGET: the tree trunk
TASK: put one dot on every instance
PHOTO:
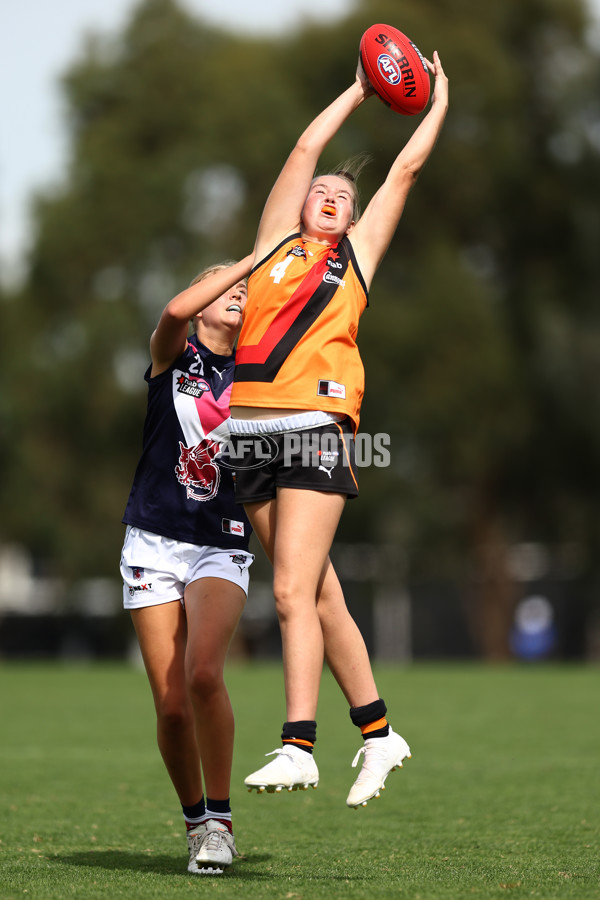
(492, 592)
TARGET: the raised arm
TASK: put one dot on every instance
(375, 229)
(283, 209)
(170, 336)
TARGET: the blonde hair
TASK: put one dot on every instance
(349, 170)
(210, 270)
(206, 273)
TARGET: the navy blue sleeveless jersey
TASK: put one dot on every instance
(179, 489)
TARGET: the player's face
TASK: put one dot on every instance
(226, 312)
(328, 209)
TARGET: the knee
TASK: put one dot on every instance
(286, 598)
(294, 602)
(204, 678)
(173, 713)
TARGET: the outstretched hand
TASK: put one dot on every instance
(440, 89)
(362, 79)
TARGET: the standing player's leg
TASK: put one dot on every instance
(213, 608)
(161, 632)
(162, 635)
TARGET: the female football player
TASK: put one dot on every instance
(299, 375)
(185, 557)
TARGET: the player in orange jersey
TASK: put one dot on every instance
(298, 383)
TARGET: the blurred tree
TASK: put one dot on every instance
(481, 341)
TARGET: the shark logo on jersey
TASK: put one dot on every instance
(197, 471)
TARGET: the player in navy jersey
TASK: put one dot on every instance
(185, 557)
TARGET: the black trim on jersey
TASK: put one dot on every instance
(312, 309)
(347, 243)
(290, 237)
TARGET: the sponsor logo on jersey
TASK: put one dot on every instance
(191, 387)
(331, 389)
(197, 471)
(230, 526)
(333, 260)
(330, 278)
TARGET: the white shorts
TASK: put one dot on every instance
(157, 569)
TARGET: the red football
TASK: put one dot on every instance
(396, 69)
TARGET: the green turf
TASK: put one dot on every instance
(501, 798)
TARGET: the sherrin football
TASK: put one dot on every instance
(396, 69)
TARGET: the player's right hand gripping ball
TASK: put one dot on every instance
(396, 69)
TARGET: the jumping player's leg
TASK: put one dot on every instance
(345, 649)
(297, 530)
(162, 635)
(348, 659)
(383, 750)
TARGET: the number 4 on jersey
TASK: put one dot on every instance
(278, 270)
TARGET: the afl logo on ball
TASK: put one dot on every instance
(389, 69)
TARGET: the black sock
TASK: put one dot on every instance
(193, 815)
(301, 734)
(220, 811)
(371, 719)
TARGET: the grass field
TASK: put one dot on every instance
(501, 798)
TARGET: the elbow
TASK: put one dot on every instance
(410, 173)
(173, 311)
(306, 147)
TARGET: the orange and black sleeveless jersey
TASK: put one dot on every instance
(297, 348)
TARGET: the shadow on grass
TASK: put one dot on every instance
(154, 863)
(163, 864)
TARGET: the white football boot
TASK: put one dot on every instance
(292, 768)
(382, 755)
(216, 850)
(194, 839)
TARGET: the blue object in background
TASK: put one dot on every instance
(533, 635)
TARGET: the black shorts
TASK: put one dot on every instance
(314, 459)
